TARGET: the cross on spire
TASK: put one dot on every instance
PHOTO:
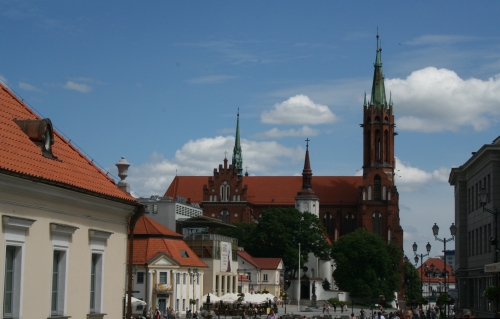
(307, 142)
(225, 154)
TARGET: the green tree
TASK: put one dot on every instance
(326, 284)
(279, 232)
(366, 265)
(413, 285)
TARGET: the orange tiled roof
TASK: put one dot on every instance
(275, 189)
(20, 156)
(153, 239)
(438, 263)
(263, 263)
(148, 226)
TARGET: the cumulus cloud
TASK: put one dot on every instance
(298, 110)
(435, 100)
(409, 179)
(276, 133)
(211, 79)
(84, 88)
(201, 156)
(29, 87)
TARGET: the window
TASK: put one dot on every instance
(155, 209)
(264, 277)
(177, 278)
(183, 304)
(140, 277)
(14, 230)
(146, 209)
(328, 222)
(95, 283)
(184, 254)
(376, 188)
(224, 216)
(58, 282)
(184, 281)
(177, 304)
(163, 277)
(349, 223)
(377, 223)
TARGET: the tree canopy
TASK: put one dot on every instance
(278, 233)
(366, 265)
(413, 285)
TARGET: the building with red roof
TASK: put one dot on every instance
(262, 274)
(167, 272)
(342, 203)
(64, 223)
(436, 278)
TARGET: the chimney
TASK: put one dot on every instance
(123, 173)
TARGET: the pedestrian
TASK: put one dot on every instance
(157, 314)
(362, 314)
(334, 307)
(324, 308)
(352, 316)
(328, 309)
(345, 307)
(271, 315)
(407, 314)
(341, 308)
(380, 316)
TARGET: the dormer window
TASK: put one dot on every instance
(39, 132)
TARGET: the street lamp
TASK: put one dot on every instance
(428, 248)
(453, 231)
(192, 274)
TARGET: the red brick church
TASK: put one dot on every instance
(343, 203)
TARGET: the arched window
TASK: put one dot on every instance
(389, 234)
(224, 216)
(368, 147)
(224, 192)
(386, 146)
(376, 187)
(377, 223)
(349, 223)
(377, 145)
(228, 192)
(384, 192)
(328, 222)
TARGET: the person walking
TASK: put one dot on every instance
(271, 315)
(324, 307)
(328, 309)
(334, 307)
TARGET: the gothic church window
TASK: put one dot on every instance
(328, 222)
(376, 187)
(224, 216)
(384, 192)
(377, 223)
(349, 223)
(224, 192)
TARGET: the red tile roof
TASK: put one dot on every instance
(438, 263)
(21, 157)
(153, 239)
(275, 189)
(263, 263)
(148, 226)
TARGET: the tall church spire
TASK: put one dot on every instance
(378, 89)
(306, 199)
(237, 158)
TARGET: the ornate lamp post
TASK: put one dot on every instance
(428, 248)
(193, 274)
(453, 231)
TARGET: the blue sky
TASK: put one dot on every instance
(160, 82)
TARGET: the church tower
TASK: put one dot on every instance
(237, 161)
(306, 199)
(379, 194)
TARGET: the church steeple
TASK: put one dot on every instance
(237, 157)
(306, 199)
(378, 99)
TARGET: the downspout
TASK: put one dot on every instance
(138, 213)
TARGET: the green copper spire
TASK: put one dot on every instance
(378, 89)
(237, 158)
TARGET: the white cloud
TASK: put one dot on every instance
(201, 156)
(29, 87)
(409, 179)
(84, 88)
(276, 133)
(211, 79)
(300, 110)
(435, 100)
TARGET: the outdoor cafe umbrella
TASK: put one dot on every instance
(255, 298)
(229, 298)
(135, 302)
(213, 298)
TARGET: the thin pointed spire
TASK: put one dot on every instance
(378, 99)
(237, 159)
(364, 103)
(307, 190)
